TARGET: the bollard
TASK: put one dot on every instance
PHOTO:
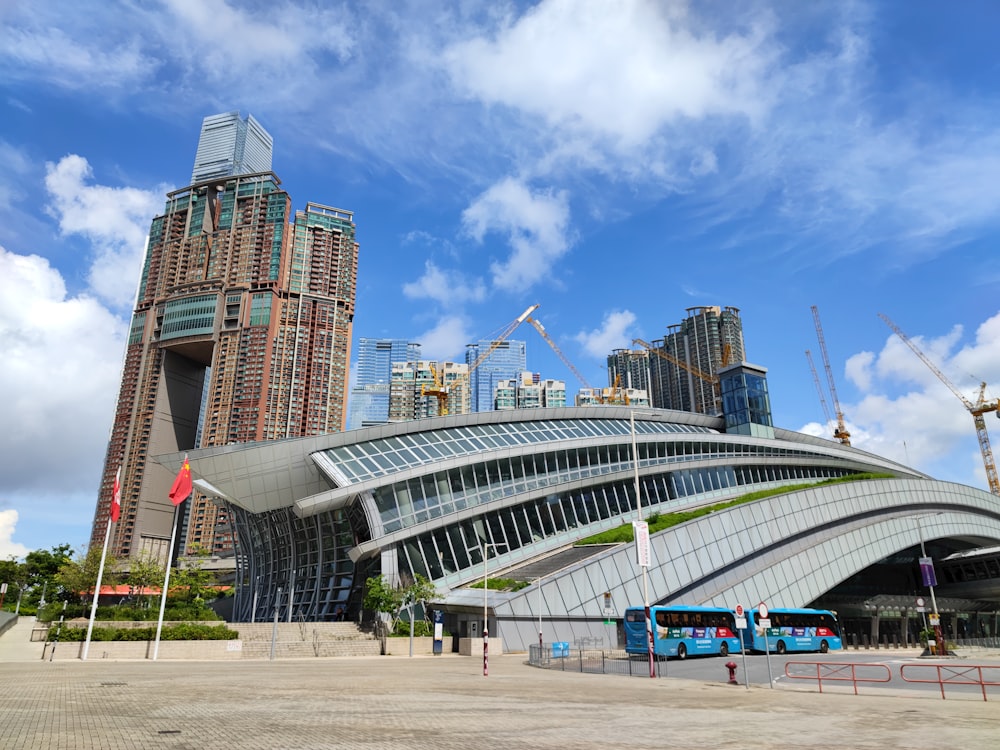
(731, 666)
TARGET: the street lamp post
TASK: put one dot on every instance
(930, 580)
(642, 547)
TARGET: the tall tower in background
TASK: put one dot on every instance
(369, 402)
(241, 332)
(506, 362)
(708, 339)
(231, 145)
(630, 367)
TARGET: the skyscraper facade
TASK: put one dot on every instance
(707, 340)
(630, 368)
(241, 332)
(505, 362)
(231, 145)
(369, 402)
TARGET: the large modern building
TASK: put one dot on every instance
(230, 145)
(708, 339)
(516, 494)
(369, 402)
(504, 361)
(241, 332)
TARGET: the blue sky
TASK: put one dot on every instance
(615, 163)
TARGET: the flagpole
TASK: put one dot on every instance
(179, 492)
(97, 593)
(112, 518)
(166, 585)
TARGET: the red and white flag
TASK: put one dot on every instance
(116, 496)
(182, 486)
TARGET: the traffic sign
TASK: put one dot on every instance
(762, 610)
(739, 610)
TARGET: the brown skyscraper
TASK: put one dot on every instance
(241, 332)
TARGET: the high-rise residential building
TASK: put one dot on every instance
(369, 402)
(424, 389)
(630, 368)
(507, 359)
(241, 332)
(529, 391)
(230, 145)
(707, 340)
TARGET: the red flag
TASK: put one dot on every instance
(116, 496)
(182, 484)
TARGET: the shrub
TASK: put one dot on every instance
(179, 632)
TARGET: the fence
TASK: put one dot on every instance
(561, 656)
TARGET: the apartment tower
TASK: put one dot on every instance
(241, 332)
(369, 403)
(708, 339)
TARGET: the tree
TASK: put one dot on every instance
(145, 572)
(15, 575)
(392, 600)
(41, 567)
(78, 577)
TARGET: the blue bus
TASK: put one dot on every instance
(680, 631)
(793, 630)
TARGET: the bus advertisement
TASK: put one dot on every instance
(681, 631)
(793, 630)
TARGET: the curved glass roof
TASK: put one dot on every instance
(376, 458)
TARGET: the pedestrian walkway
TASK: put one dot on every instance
(16, 643)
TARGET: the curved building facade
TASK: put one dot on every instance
(509, 493)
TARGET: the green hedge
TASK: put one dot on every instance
(179, 632)
(174, 612)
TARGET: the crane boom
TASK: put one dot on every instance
(819, 388)
(840, 432)
(977, 409)
(548, 340)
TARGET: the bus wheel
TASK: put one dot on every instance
(824, 647)
(682, 651)
(781, 647)
(724, 649)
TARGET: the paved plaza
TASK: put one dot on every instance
(442, 702)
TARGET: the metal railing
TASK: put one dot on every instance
(955, 674)
(564, 658)
(838, 672)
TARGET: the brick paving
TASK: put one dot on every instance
(441, 702)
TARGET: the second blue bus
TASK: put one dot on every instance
(681, 631)
(793, 630)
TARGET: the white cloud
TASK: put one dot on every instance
(114, 220)
(444, 286)
(908, 414)
(612, 334)
(446, 341)
(616, 70)
(535, 225)
(59, 373)
(8, 547)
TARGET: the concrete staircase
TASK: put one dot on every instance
(305, 640)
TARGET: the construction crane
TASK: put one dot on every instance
(977, 409)
(690, 368)
(441, 390)
(840, 431)
(819, 388)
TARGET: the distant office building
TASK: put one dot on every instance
(422, 389)
(241, 332)
(503, 363)
(630, 368)
(611, 397)
(695, 349)
(369, 403)
(230, 145)
(529, 391)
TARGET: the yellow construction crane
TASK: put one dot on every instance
(819, 388)
(690, 368)
(441, 390)
(977, 409)
(840, 431)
